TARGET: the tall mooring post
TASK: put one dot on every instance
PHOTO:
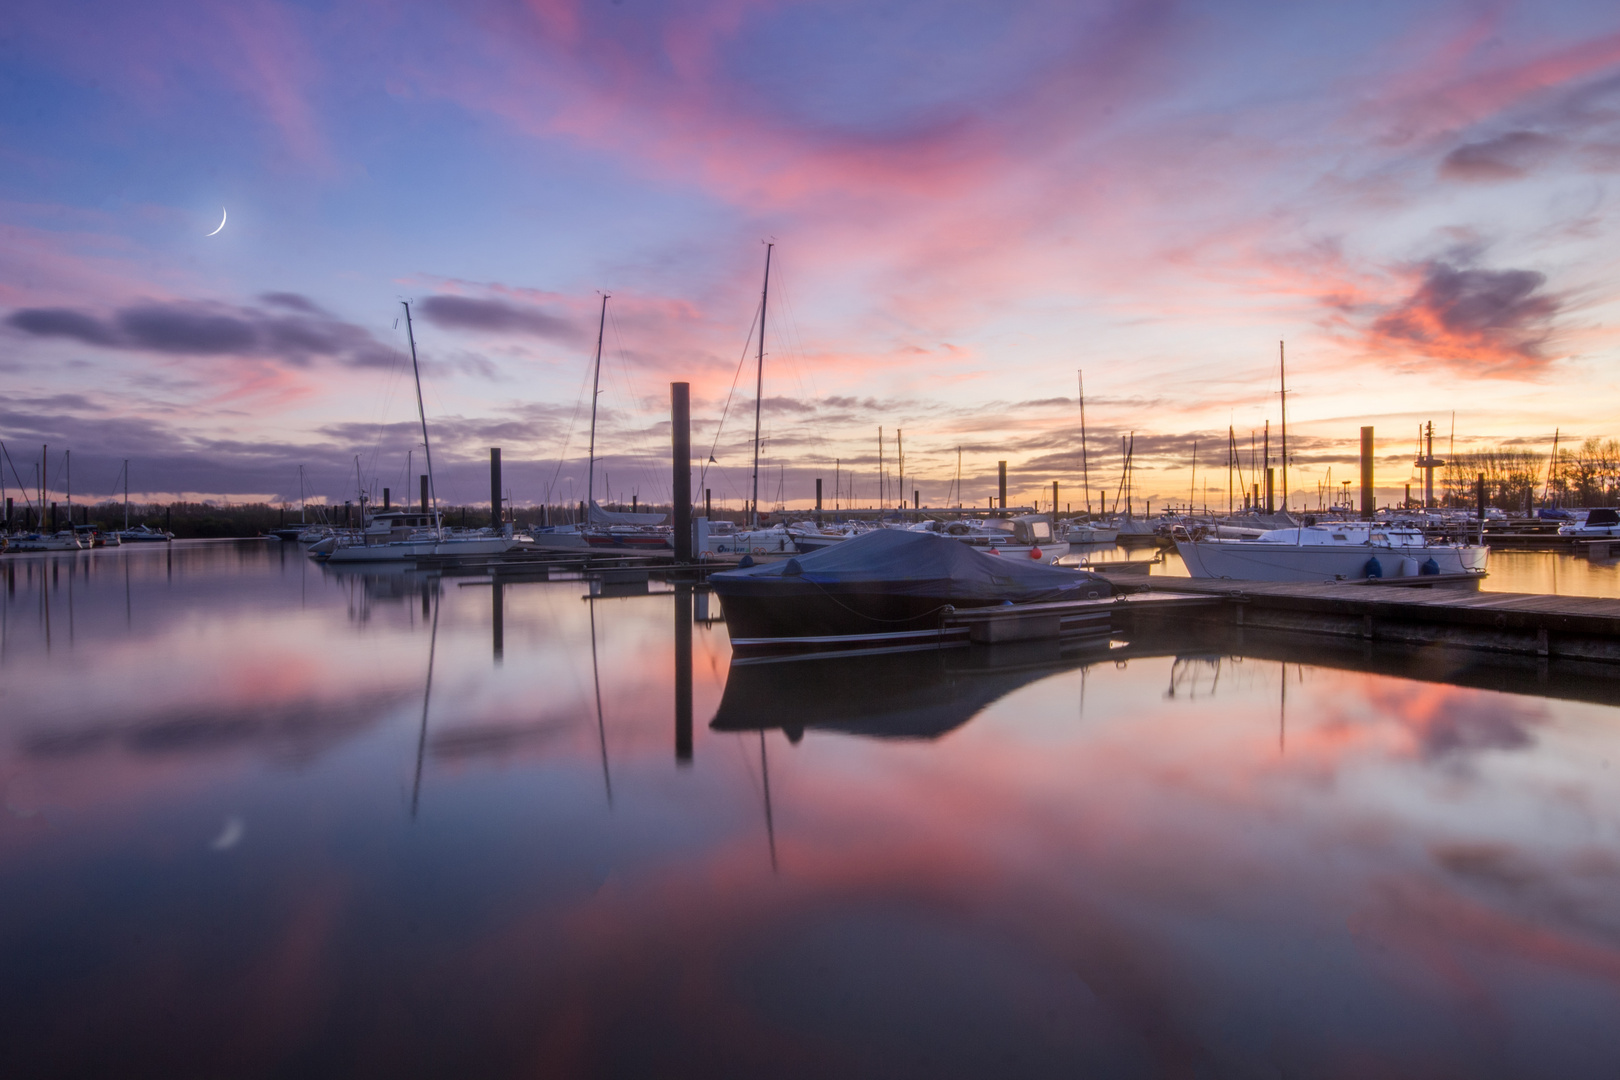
(818, 494)
(1271, 487)
(495, 488)
(424, 493)
(1001, 471)
(680, 421)
(1054, 498)
(1368, 505)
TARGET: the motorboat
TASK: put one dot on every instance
(1337, 551)
(1601, 522)
(808, 536)
(1075, 531)
(141, 534)
(1028, 536)
(725, 538)
(884, 585)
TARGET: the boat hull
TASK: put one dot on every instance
(631, 542)
(408, 549)
(808, 610)
(1241, 560)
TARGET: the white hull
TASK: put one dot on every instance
(1048, 553)
(1088, 534)
(1244, 560)
(421, 549)
(47, 543)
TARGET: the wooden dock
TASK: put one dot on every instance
(1409, 611)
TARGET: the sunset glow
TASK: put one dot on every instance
(969, 205)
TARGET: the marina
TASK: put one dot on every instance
(877, 542)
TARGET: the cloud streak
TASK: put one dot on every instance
(290, 329)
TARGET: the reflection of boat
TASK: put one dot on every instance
(1341, 551)
(919, 695)
(888, 582)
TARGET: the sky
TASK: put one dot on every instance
(970, 205)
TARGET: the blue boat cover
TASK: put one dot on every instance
(921, 564)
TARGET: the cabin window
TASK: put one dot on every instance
(1040, 530)
(1340, 536)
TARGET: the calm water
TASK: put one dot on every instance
(263, 819)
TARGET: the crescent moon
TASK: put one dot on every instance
(223, 214)
(230, 836)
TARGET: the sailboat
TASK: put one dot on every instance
(1086, 530)
(720, 538)
(291, 533)
(603, 528)
(436, 541)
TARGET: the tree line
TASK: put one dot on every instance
(1518, 480)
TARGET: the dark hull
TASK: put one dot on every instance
(634, 543)
(804, 609)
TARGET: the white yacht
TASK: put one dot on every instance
(140, 534)
(724, 538)
(1338, 551)
(1601, 523)
(65, 540)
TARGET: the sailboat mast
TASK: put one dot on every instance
(421, 412)
(596, 390)
(1282, 377)
(1085, 467)
(759, 376)
(126, 494)
(303, 503)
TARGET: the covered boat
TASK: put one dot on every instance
(888, 582)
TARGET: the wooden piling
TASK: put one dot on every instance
(680, 415)
(495, 488)
(1367, 498)
(1001, 471)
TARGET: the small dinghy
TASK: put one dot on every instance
(883, 586)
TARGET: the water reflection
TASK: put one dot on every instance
(1215, 853)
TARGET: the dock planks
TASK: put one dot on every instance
(1584, 627)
